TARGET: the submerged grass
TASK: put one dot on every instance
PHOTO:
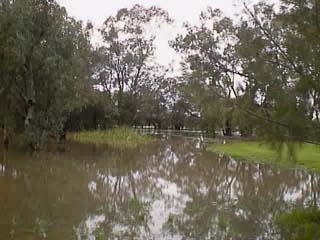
(122, 137)
(307, 155)
(299, 224)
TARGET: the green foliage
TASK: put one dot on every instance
(122, 137)
(126, 67)
(44, 61)
(152, 108)
(306, 155)
(260, 75)
(263, 71)
(208, 85)
(299, 225)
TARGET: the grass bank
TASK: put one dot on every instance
(122, 137)
(307, 156)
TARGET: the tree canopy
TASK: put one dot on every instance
(266, 66)
(45, 66)
(257, 75)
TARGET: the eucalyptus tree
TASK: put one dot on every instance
(128, 53)
(210, 66)
(44, 63)
(153, 102)
(279, 56)
(273, 54)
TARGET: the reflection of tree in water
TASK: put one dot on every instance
(56, 192)
(129, 186)
(169, 190)
(236, 200)
(121, 187)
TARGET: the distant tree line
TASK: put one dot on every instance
(258, 75)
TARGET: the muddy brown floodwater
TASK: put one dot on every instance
(171, 189)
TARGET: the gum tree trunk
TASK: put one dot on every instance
(5, 136)
(30, 102)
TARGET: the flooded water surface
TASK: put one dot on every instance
(169, 190)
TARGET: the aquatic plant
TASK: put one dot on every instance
(299, 224)
(122, 137)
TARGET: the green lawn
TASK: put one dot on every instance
(122, 137)
(307, 155)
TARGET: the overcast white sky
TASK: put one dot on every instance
(97, 11)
